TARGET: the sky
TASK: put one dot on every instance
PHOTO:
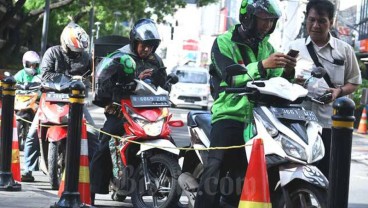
(348, 3)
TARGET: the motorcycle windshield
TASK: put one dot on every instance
(58, 83)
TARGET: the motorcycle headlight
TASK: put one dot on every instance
(292, 148)
(154, 128)
(318, 150)
(151, 128)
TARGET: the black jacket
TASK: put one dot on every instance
(153, 61)
(55, 61)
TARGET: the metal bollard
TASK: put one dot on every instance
(342, 135)
(71, 197)
(7, 182)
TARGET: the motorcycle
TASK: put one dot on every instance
(291, 137)
(25, 107)
(52, 127)
(145, 159)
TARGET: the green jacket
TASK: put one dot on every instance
(22, 77)
(225, 52)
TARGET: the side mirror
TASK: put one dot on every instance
(318, 72)
(172, 78)
(235, 69)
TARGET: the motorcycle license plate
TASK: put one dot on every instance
(150, 101)
(294, 114)
(57, 97)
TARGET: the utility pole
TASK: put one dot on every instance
(91, 23)
(45, 27)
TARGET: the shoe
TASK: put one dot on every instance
(27, 177)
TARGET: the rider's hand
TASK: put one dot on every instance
(145, 73)
(279, 60)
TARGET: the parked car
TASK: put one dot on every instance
(193, 89)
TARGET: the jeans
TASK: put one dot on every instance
(32, 143)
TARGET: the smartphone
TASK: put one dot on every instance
(293, 53)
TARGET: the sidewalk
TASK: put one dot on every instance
(39, 194)
(360, 148)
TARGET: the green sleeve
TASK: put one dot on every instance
(19, 76)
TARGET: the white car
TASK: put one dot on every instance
(193, 89)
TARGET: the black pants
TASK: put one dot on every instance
(101, 164)
(324, 164)
(231, 162)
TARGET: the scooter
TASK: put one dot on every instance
(52, 127)
(291, 137)
(25, 107)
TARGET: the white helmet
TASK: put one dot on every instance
(31, 61)
(74, 38)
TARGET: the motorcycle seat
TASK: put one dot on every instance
(201, 119)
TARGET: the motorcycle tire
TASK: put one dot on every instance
(158, 165)
(304, 195)
(56, 162)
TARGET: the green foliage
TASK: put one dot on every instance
(357, 95)
(131, 10)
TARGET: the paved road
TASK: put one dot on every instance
(39, 194)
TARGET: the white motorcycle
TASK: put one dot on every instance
(291, 137)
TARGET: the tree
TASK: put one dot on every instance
(27, 15)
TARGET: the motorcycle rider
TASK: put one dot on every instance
(31, 61)
(71, 59)
(245, 43)
(143, 63)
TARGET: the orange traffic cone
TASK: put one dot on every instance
(255, 191)
(84, 184)
(362, 129)
(15, 164)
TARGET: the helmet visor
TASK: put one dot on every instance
(33, 65)
(146, 31)
(267, 9)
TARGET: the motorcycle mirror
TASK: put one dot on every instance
(235, 69)
(7, 73)
(318, 72)
(172, 78)
(177, 123)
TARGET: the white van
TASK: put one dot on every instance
(193, 89)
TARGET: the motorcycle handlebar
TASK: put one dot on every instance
(236, 90)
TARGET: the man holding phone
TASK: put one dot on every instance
(321, 49)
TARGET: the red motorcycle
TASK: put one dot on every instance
(52, 127)
(145, 159)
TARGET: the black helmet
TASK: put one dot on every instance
(266, 9)
(144, 30)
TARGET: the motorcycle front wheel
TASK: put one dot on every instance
(164, 191)
(56, 162)
(305, 195)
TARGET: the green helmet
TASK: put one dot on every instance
(266, 9)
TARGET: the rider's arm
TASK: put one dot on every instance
(159, 76)
(48, 65)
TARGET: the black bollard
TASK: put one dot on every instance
(71, 196)
(7, 182)
(341, 142)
